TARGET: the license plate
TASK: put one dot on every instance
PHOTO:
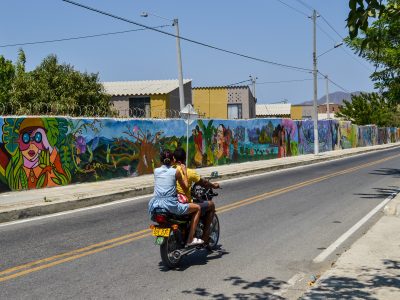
(157, 231)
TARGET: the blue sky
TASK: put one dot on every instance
(264, 29)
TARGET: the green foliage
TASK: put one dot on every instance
(11, 134)
(51, 87)
(52, 131)
(7, 75)
(378, 42)
(15, 174)
(60, 178)
(366, 109)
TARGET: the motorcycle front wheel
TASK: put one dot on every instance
(214, 233)
(167, 250)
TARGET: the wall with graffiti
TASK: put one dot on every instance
(53, 151)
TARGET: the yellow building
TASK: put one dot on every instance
(148, 98)
(296, 112)
(224, 102)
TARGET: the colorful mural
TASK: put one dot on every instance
(53, 151)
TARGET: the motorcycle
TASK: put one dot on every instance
(171, 231)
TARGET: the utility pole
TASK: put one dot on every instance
(315, 73)
(180, 73)
(253, 82)
(327, 98)
(175, 23)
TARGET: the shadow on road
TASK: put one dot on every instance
(364, 286)
(381, 193)
(262, 289)
(387, 171)
(201, 257)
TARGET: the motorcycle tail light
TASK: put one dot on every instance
(152, 226)
(161, 219)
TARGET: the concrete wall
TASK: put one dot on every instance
(121, 104)
(53, 151)
(242, 95)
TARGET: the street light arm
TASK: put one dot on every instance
(145, 14)
(334, 47)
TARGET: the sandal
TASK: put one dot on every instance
(195, 242)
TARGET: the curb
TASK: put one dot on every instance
(393, 207)
(60, 206)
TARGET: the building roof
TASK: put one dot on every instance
(273, 109)
(144, 87)
(221, 87)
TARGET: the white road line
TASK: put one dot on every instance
(328, 251)
(74, 211)
(149, 195)
(244, 177)
(290, 283)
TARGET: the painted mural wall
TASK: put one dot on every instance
(53, 151)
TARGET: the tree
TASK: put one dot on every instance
(56, 88)
(7, 75)
(366, 109)
(363, 10)
(378, 42)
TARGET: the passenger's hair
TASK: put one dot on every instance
(166, 157)
(180, 155)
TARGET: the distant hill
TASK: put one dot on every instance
(336, 97)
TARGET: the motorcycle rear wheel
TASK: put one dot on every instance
(167, 249)
(214, 233)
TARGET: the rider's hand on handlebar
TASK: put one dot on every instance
(216, 185)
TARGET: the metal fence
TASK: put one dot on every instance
(54, 109)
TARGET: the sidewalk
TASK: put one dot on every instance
(23, 204)
(371, 268)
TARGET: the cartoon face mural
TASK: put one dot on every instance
(48, 152)
(32, 161)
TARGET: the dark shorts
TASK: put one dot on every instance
(203, 206)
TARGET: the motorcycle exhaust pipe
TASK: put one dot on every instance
(177, 254)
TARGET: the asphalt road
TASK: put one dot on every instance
(268, 240)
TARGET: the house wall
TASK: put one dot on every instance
(333, 108)
(121, 104)
(158, 105)
(212, 102)
(173, 97)
(296, 112)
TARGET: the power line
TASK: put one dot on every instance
(239, 82)
(327, 34)
(326, 21)
(284, 81)
(293, 8)
(334, 83)
(341, 37)
(305, 5)
(358, 60)
(300, 69)
(77, 37)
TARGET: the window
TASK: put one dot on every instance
(235, 111)
(139, 107)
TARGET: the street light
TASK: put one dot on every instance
(327, 81)
(175, 23)
(334, 47)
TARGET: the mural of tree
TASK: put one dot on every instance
(290, 131)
